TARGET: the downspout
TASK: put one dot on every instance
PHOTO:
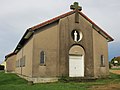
(21, 61)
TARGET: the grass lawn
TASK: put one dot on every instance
(10, 81)
(115, 69)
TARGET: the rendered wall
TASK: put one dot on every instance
(67, 25)
(10, 63)
(26, 51)
(46, 39)
(55, 40)
(100, 45)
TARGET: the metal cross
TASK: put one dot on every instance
(76, 6)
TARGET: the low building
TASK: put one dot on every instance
(69, 45)
(115, 62)
(10, 61)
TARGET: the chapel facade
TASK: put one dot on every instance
(69, 45)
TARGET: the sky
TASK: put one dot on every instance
(16, 16)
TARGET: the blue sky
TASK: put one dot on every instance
(18, 15)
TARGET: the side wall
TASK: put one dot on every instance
(100, 45)
(25, 53)
(10, 63)
(46, 39)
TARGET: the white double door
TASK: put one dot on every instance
(76, 66)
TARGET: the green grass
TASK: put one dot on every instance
(10, 81)
(113, 78)
(115, 69)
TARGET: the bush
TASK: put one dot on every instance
(1, 67)
(110, 65)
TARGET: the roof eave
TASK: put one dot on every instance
(108, 37)
(25, 37)
(9, 55)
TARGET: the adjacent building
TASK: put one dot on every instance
(10, 61)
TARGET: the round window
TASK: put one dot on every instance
(76, 35)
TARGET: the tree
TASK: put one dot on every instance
(115, 61)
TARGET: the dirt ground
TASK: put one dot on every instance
(106, 87)
(115, 71)
(109, 86)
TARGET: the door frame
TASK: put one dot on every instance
(77, 50)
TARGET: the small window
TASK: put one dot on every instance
(23, 61)
(17, 63)
(42, 57)
(102, 61)
(20, 62)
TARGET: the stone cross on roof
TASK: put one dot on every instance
(76, 6)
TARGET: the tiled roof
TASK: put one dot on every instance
(67, 14)
(10, 54)
(108, 37)
(36, 27)
(52, 20)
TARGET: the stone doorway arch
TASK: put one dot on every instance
(76, 61)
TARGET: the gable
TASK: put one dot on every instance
(96, 27)
(31, 30)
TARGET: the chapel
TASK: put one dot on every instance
(69, 45)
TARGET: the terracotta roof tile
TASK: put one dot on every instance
(52, 20)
